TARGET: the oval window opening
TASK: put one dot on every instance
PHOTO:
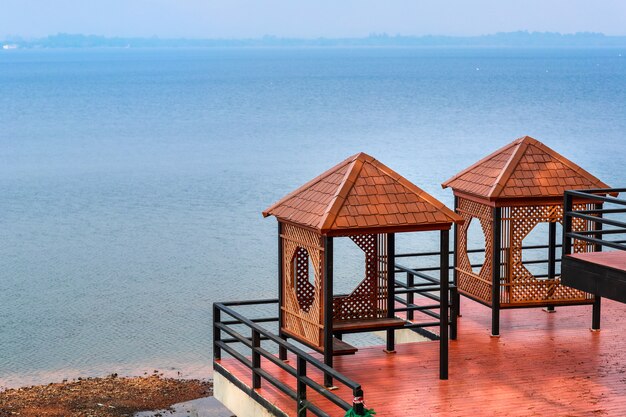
(476, 245)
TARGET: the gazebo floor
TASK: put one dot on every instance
(541, 365)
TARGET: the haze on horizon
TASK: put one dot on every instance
(307, 18)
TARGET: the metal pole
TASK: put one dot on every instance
(410, 297)
(567, 224)
(357, 402)
(495, 273)
(282, 351)
(328, 307)
(444, 276)
(551, 257)
(597, 302)
(256, 359)
(217, 334)
(455, 277)
(391, 290)
(301, 387)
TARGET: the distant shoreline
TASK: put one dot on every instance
(499, 40)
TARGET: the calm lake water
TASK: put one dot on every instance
(132, 181)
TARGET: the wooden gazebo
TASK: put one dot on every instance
(364, 200)
(510, 192)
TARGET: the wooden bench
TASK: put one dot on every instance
(367, 325)
(341, 348)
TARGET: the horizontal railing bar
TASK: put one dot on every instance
(233, 340)
(602, 211)
(403, 268)
(232, 352)
(431, 296)
(277, 383)
(431, 314)
(418, 308)
(420, 325)
(243, 339)
(315, 409)
(327, 394)
(417, 291)
(601, 232)
(596, 241)
(605, 198)
(262, 320)
(297, 351)
(277, 361)
(418, 254)
(597, 190)
(595, 219)
(248, 302)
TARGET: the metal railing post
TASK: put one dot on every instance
(410, 297)
(495, 273)
(217, 335)
(597, 301)
(256, 359)
(301, 387)
(567, 224)
(444, 304)
(357, 402)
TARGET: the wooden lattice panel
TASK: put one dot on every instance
(518, 285)
(364, 302)
(305, 290)
(523, 287)
(302, 319)
(477, 285)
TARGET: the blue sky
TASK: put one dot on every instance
(307, 18)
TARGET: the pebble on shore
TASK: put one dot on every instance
(111, 396)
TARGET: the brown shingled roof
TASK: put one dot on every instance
(362, 195)
(523, 169)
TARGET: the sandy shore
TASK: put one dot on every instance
(111, 396)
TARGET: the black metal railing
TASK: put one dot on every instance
(601, 218)
(437, 268)
(259, 354)
(414, 283)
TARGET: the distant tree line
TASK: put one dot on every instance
(509, 39)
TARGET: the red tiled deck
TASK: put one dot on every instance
(542, 365)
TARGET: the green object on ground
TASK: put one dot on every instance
(368, 413)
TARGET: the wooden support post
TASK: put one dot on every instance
(551, 257)
(597, 302)
(444, 276)
(495, 273)
(282, 351)
(328, 307)
(391, 290)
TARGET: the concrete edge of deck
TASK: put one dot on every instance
(239, 398)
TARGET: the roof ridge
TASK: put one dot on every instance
(353, 171)
(510, 166)
(481, 161)
(572, 165)
(328, 172)
(418, 191)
